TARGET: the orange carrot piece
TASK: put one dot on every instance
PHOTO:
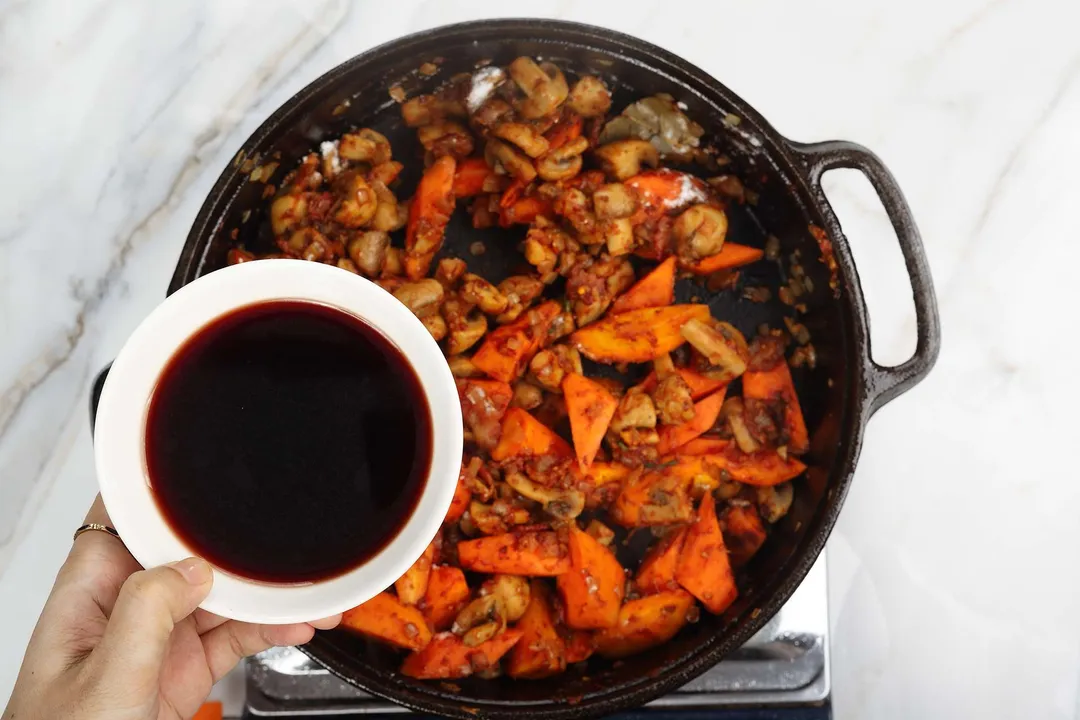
(413, 584)
(385, 618)
(447, 656)
(636, 336)
(645, 623)
(763, 468)
(470, 177)
(525, 436)
(507, 350)
(604, 473)
(704, 446)
(529, 553)
(524, 211)
(744, 532)
(657, 570)
(705, 413)
(664, 190)
(704, 569)
(591, 408)
(776, 384)
(447, 593)
(211, 710)
(592, 591)
(699, 384)
(428, 215)
(460, 503)
(567, 129)
(541, 651)
(653, 498)
(579, 645)
(730, 257)
(656, 289)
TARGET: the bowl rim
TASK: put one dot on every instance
(119, 443)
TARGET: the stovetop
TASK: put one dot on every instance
(785, 665)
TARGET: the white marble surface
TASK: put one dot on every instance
(954, 587)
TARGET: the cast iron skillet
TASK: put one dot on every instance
(838, 397)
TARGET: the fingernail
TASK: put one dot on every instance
(195, 570)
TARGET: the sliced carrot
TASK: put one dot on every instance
(566, 129)
(579, 645)
(413, 584)
(460, 503)
(529, 553)
(699, 384)
(211, 710)
(744, 532)
(524, 211)
(592, 591)
(776, 384)
(645, 623)
(447, 656)
(705, 413)
(428, 215)
(541, 651)
(704, 569)
(470, 177)
(656, 289)
(525, 436)
(636, 336)
(447, 593)
(386, 618)
(507, 350)
(664, 190)
(731, 256)
(763, 468)
(657, 570)
(605, 473)
(591, 408)
(704, 446)
(653, 498)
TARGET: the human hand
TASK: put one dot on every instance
(116, 642)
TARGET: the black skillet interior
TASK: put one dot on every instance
(356, 95)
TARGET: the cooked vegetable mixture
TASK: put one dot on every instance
(564, 457)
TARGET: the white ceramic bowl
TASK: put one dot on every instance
(119, 442)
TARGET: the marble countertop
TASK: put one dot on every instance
(953, 589)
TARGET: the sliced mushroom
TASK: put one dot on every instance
(543, 85)
(526, 396)
(423, 297)
(613, 201)
(589, 97)
(520, 291)
(449, 271)
(523, 136)
(673, 399)
(619, 236)
(500, 154)
(562, 163)
(464, 337)
(463, 367)
(388, 216)
(733, 413)
(699, 232)
(623, 159)
(483, 294)
(393, 262)
(563, 504)
(511, 593)
(436, 326)
(550, 366)
(358, 202)
(366, 146)
(287, 211)
(775, 502)
(498, 517)
(479, 621)
(446, 138)
(600, 532)
(720, 343)
(635, 410)
(426, 109)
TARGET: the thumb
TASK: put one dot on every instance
(150, 604)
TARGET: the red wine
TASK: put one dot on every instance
(288, 442)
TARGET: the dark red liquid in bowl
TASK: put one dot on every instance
(288, 442)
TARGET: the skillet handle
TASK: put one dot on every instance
(884, 383)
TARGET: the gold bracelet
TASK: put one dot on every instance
(95, 526)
